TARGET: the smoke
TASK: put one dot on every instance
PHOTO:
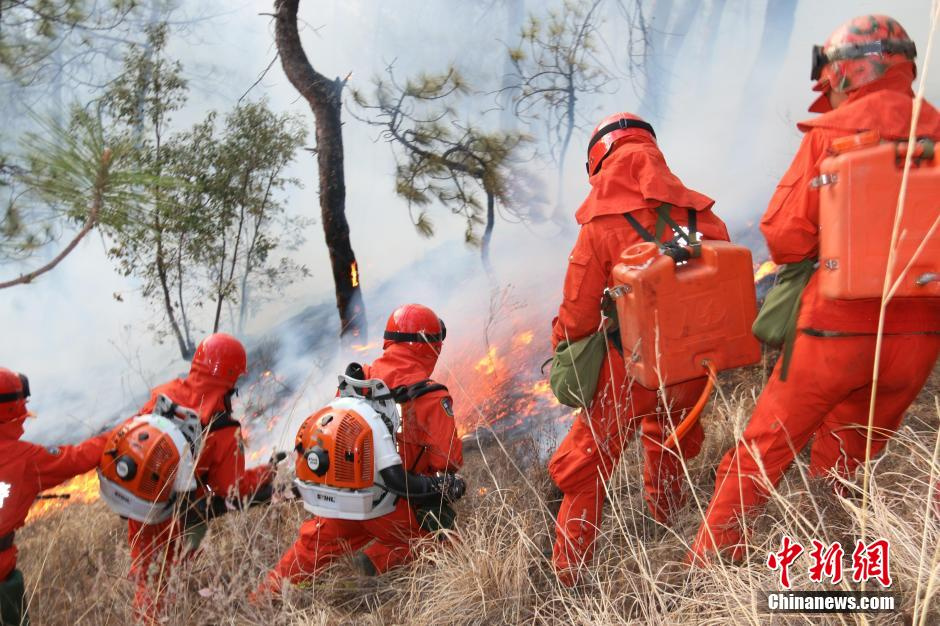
(82, 332)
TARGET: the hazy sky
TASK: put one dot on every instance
(88, 354)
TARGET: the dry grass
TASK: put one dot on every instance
(496, 572)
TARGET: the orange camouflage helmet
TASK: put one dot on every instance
(860, 52)
(610, 130)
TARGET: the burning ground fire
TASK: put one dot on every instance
(499, 388)
(765, 269)
(503, 390)
(82, 488)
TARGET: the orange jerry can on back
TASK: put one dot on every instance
(676, 317)
(858, 195)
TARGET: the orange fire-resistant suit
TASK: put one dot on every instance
(634, 178)
(428, 443)
(219, 469)
(828, 386)
(27, 469)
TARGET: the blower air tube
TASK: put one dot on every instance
(418, 490)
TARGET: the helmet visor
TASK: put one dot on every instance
(821, 58)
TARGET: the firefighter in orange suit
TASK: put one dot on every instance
(629, 180)
(25, 470)
(864, 72)
(428, 444)
(219, 361)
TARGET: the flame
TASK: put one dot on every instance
(354, 274)
(488, 364)
(365, 347)
(524, 338)
(82, 488)
(766, 268)
(502, 390)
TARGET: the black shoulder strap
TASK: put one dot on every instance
(642, 232)
(672, 247)
(222, 420)
(413, 392)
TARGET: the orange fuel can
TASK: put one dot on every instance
(675, 318)
(858, 196)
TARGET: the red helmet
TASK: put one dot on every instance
(414, 323)
(606, 134)
(221, 356)
(14, 389)
(858, 53)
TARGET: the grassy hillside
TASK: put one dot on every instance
(75, 560)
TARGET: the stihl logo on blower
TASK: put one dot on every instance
(149, 460)
(343, 447)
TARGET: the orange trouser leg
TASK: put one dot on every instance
(395, 535)
(586, 458)
(152, 549)
(826, 386)
(588, 454)
(840, 442)
(663, 476)
(321, 542)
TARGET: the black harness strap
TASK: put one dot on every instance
(6, 541)
(403, 393)
(415, 391)
(642, 232)
(222, 420)
(672, 248)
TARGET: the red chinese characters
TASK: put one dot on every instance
(827, 562)
(789, 551)
(872, 561)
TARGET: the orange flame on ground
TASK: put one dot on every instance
(82, 488)
(365, 347)
(354, 274)
(766, 268)
(504, 389)
(488, 364)
(524, 338)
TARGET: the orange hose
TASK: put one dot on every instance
(686, 425)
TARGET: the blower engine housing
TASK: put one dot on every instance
(147, 461)
(343, 447)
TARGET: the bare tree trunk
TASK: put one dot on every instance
(179, 292)
(561, 216)
(778, 25)
(666, 39)
(325, 99)
(186, 349)
(488, 235)
(515, 14)
(706, 53)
